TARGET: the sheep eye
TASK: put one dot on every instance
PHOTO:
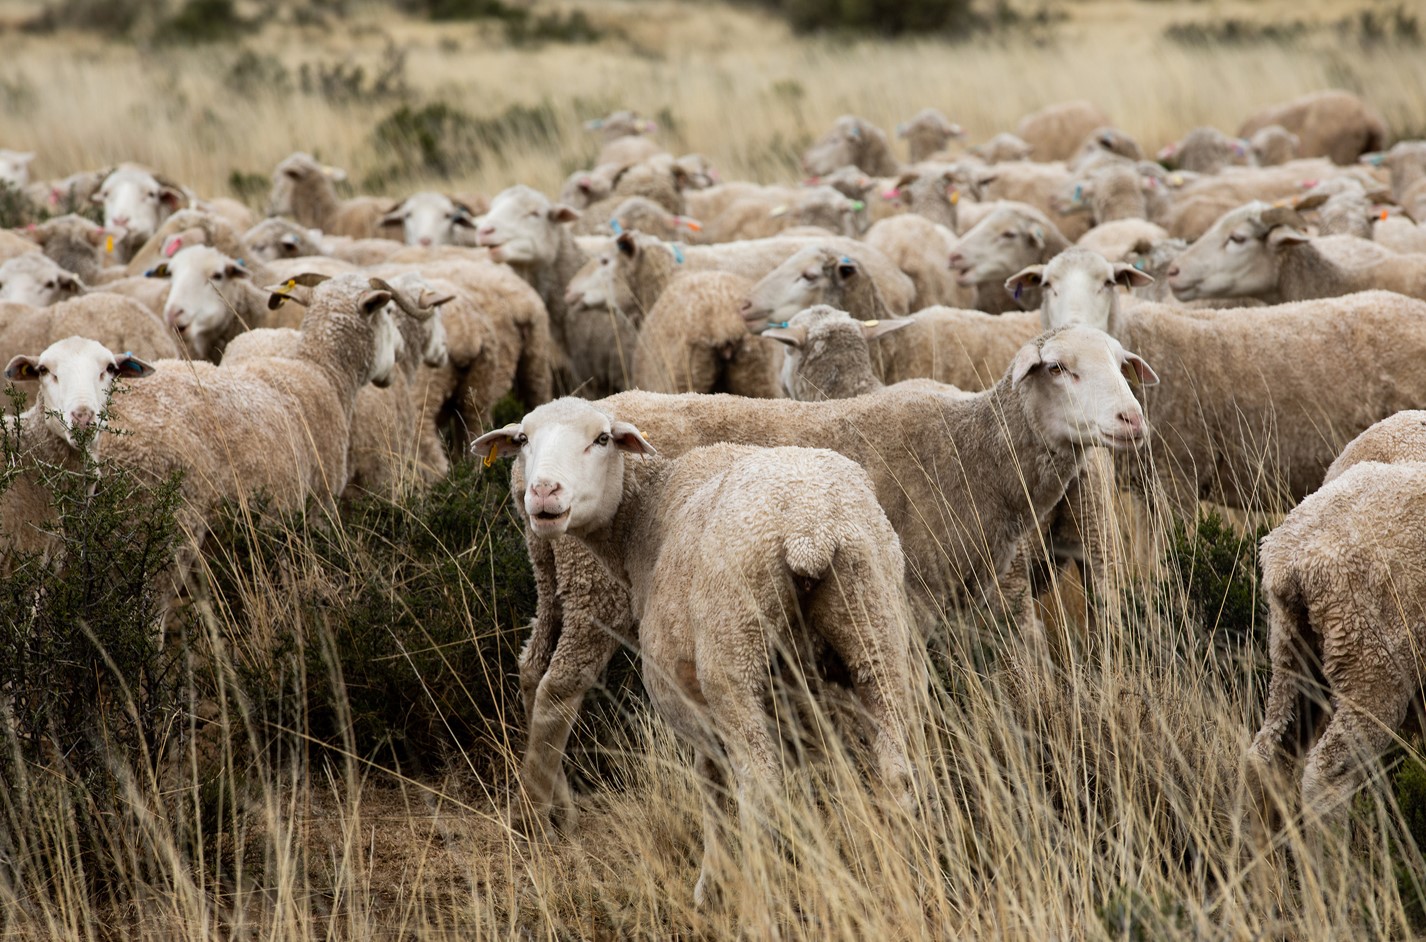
(111, 369)
(603, 439)
(1054, 369)
(1237, 239)
(1109, 283)
(42, 371)
(521, 440)
(49, 284)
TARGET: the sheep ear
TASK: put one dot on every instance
(72, 283)
(1310, 201)
(1131, 277)
(847, 268)
(499, 443)
(172, 197)
(394, 217)
(1026, 360)
(1287, 235)
(335, 174)
(1137, 371)
(1032, 277)
(158, 271)
(562, 213)
(906, 179)
(630, 439)
(627, 245)
(874, 329)
(462, 219)
(793, 337)
(34, 233)
(1037, 237)
(23, 368)
(371, 302)
(234, 270)
(131, 367)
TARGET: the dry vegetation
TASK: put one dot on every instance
(1097, 795)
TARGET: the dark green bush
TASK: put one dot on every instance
(1216, 568)
(203, 21)
(464, 10)
(572, 27)
(255, 74)
(439, 139)
(251, 188)
(107, 17)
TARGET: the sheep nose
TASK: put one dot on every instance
(424, 240)
(484, 232)
(545, 490)
(956, 257)
(121, 220)
(82, 417)
(1133, 420)
(1173, 272)
(746, 307)
(173, 315)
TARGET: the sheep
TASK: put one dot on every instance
(302, 189)
(1343, 206)
(36, 280)
(919, 248)
(1396, 438)
(1117, 239)
(815, 275)
(1334, 124)
(827, 356)
(1105, 143)
(73, 242)
(72, 194)
(640, 214)
(937, 465)
(1056, 132)
(212, 298)
(624, 143)
(135, 203)
(1262, 251)
(185, 228)
(756, 218)
(1274, 144)
(117, 322)
(852, 141)
(932, 191)
(1342, 575)
(13, 244)
(429, 218)
(654, 184)
(586, 187)
(1013, 236)
(1114, 191)
(1407, 162)
(1205, 150)
(63, 428)
(815, 565)
(1041, 186)
(1400, 234)
(928, 133)
(277, 427)
(1239, 421)
(15, 168)
(1001, 148)
(693, 340)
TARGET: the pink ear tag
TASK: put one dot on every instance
(174, 244)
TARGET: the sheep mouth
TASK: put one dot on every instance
(1122, 440)
(547, 516)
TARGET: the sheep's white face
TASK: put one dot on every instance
(75, 377)
(1080, 287)
(826, 207)
(36, 280)
(135, 203)
(571, 458)
(523, 227)
(809, 277)
(1076, 386)
(431, 219)
(998, 246)
(15, 167)
(585, 187)
(1237, 257)
(593, 285)
(197, 309)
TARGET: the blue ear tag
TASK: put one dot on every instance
(618, 229)
(777, 323)
(677, 252)
(1078, 193)
(845, 260)
(1019, 285)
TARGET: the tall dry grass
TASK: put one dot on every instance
(734, 84)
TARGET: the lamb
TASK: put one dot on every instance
(852, 141)
(15, 168)
(213, 298)
(1058, 131)
(1206, 150)
(63, 428)
(74, 243)
(811, 539)
(302, 189)
(1262, 251)
(929, 458)
(275, 238)
(928, 133)
(135, 203)
(1013, 236)
(1239, 420)
(117, 322)
(36, 280)
(1342, 575)
(1002, 148)
(1333, 124)
(693, 340)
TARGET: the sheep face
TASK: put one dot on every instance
(814, 275)
(841, 146)
(586, 187)
(621, 124)
(1074, 385)
(593, 285)
(523, 227)
(1274, 145)
(273, 239)
(1238, 255)
(36, 280)
(1080, 287)
(197, 309)
(430, 219)
(571, 458)
(136, 203)
(826, 207)
(75, 377)
(997, 247)
(15, 167)
(431, 333)
(292, 175)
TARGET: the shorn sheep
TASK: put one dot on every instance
(938, 466)
(730, 554)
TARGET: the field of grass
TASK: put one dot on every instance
(327, 749)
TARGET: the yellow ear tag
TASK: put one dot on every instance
(109, 245)
(291, 283)
(870, 323)
(955, 197)
(489, 460)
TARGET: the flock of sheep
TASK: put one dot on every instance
(934, 371)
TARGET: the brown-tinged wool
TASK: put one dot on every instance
(1345, 579)
(1002, 147)
(927, 133)
(852, 141)
(1395, 439)
(117, 322)
(1114, 240)
(707, 204)
(1058, 131)
(764, 218)
(1207, 150)
(185, 228)
(302, 189)
(920, 247)
(638, 181)
(37, 280)
(1333, 124)
(13, 244)
(1407, 162)
(1011, 237)
(694, 340)
(361, 252)
(1274, 144)
(275, 238)
(75, 244)
(1033, 184)
(1400, 234)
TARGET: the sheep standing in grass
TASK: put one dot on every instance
(962, 482)
(855, 142)
(927, 134)
(303, 190)
(731, 555)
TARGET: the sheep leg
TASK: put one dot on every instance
(734, 682)
(713, 789)
(1361, 730)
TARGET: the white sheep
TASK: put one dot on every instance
(136, 202)
(15, 168)
(1331, 123)
(962, 482)
(35, 279)
(731, 557)
(212, 298)
(304, 190)
(852, 141)
(276, 238)
(928, 133)
(1013, 236)
(429, 218)
(1057, 131)
(117, 322)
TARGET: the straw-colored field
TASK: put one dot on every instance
(1100, 796)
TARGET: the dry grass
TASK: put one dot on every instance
(737, 86)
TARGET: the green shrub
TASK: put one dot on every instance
(572, 27)
(203, 21)
(255, 74)
(250, 188)
(439, 139)
(1216, 569)
(107, 17)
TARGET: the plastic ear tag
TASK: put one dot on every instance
(891, 194)
(172, 248)
(1079, 194)
(489, 460)
(109, 245)
(777, 323)
(616, 227)
(858, 206)
(870, 323)
(1139, 264)
(291, 283)
(1019, 287)
(677, 252)
(955, 196)
(778, 211)
(1383, 215)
